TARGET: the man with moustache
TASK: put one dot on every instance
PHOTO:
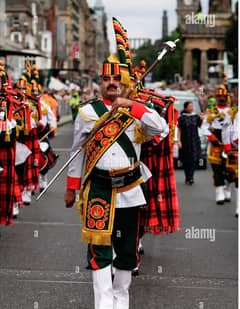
(110, 177)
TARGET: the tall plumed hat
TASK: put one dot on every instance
(35, 81)
(119, 63)
(112, 66)
(122, 44)
(221, 90)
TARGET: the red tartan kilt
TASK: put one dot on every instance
(162, 213)
(17, 191)
(7, 182)
(43, 160)
(31, 170)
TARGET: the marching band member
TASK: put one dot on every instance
(28, 174)
(48, 158)
(7, 152)
(230, 134)
(213, 123)
(111, 181)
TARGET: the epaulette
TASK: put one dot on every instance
(233, 111)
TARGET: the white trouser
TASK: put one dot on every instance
(26, 196)
(121, 284)
(237, 202)
(108, 294)
(227, 191)
(15, 210)
(102, 287)
(220, 196)
(43, 181)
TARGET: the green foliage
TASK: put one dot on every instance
(169, 65)
(231, 42)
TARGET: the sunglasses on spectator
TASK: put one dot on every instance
(107, 78)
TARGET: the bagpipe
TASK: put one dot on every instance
(48, 158)
(164, 105)
(22, 106)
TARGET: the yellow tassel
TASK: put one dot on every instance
(125, 78)
(80, 203)
(35, 115)
(139, 136)
(7, 136)
(26, 131)
(172, 132)
(96, 238)
(44, 111)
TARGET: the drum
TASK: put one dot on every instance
(215, 154)
(47, 158)
(232, 163)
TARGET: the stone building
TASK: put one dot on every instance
(203, 37)
(102, 43)
(23, 22)
(68, 33)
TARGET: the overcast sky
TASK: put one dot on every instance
(141, 18)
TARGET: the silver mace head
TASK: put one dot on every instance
(168, 46)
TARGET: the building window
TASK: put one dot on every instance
(45, 41)
(15, 21)
(16, 37)
(62, 5)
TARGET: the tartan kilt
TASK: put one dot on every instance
(18, 191)
(162, 214)
(31, 168)
(7, 180)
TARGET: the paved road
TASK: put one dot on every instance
(42, 262)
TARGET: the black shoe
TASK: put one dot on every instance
(188, 182)
(228, 200)
(135, 272)
(220, 202)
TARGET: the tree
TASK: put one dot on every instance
(169, 65)
(231, 41)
